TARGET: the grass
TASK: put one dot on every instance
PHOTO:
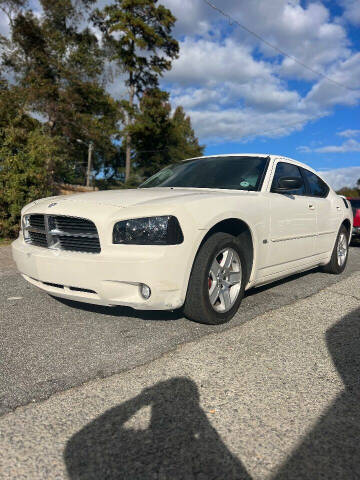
(5, 241)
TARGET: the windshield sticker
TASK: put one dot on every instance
(244, 184)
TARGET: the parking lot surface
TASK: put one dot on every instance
(275, 398)
(48, 345)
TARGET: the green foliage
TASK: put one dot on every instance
(137, 37)
(26, 161)
(160, 138)
(59, 73)
(349, 192)
(56, 102)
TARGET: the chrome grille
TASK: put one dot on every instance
(60, 232)
(37, 221)
(37, 238)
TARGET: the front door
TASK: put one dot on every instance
(292, 225)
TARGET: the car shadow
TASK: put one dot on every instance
(163, 315)
(180, 443)
(282, 281)
(119, 311)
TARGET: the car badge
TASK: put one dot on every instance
(52, 205)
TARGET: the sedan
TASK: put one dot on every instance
(195, 235)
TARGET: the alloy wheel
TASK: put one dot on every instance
(224, 280)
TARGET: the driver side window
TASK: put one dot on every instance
(284, 169)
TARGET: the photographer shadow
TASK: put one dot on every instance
(178, 443)
(331, 450)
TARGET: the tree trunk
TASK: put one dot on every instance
(128, 136)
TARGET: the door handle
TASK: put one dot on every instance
(311, 206)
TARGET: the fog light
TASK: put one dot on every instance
(145, 291)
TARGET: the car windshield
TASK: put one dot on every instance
(355, 203)
(235, 173)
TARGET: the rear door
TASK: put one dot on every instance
(292, 223)
(326, 211)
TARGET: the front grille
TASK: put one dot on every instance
(60, 232)
(37, 221)
(73, 224)
(37, 238)
(80, 244)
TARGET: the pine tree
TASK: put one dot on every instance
(160, 138)
(137, 34)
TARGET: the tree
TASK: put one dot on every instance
(160, 138)
(58, 70)
(183, 142)
(23, 173)
(137, 34)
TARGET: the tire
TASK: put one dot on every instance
(337, 266)
(217, 250)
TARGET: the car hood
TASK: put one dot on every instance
(129, 198)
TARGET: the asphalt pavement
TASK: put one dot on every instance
(48, 345)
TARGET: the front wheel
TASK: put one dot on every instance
(340, 253)
(217, 281)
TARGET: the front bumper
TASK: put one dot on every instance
(111, 277)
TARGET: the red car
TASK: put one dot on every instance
(355, 205)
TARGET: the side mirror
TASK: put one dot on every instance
(287, 184)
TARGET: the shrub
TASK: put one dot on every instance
(27, 160)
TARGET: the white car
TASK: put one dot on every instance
(195, 235)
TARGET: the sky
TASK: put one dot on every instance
(243, 96)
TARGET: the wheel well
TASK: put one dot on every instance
(347, 225)
(238, 228)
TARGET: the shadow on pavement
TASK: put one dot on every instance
(332, 448)
(181, 443)
(178, 443)
(119, 311)
(262, 288)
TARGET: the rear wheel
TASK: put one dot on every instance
(217, 281)
(340, 253)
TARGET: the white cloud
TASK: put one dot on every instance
(351, 11)
(236, 124)
(328, 94)
(349, 133)
(305, 32)
(206, 62)
(350, 145)
(304, 149)
(341, 177)
(218, 76)
(233, 85)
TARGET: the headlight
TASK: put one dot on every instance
(163, 230)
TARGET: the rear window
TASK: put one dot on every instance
(317, 187)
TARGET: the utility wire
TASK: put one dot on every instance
(274, 47)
